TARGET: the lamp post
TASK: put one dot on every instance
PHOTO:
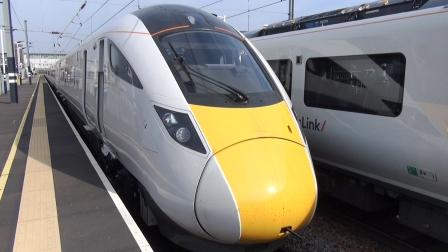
(27, 53)
(291, 10)
(4, 87)
(12, 70)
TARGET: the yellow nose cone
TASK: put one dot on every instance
(273, 183)
(261, 154)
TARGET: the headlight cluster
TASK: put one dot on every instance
(180, 128)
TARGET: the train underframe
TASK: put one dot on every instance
(419, 212)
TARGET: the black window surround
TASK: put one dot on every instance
(369, 84)
(121, 67)
(283, 70)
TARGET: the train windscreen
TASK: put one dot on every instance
(217, 69)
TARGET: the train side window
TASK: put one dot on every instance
(121, 67)
(283, 70)
(369, 84)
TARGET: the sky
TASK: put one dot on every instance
(45, 16)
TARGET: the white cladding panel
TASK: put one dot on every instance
(132, 128)
(377, 146)
(169, 171)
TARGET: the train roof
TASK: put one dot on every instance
(163, 19)
(359, 12)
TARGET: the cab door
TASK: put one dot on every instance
(100, 79)
(84, 83)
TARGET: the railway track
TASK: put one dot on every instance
(383, 226)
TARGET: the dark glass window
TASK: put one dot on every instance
(121, 67)
(216, 69)
(371, 84)
(283, 70)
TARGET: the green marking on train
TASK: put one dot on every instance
(412, 170)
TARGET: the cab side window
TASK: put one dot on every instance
(121, 67)
(369, 84)
(283, 70)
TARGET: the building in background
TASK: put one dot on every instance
(43, 61)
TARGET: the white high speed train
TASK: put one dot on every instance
(190, 108)
(370, 87)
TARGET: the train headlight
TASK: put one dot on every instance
(183, 135)
(180, 128)
(169, 119)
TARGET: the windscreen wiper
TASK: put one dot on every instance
(181, 62)
(238, 96)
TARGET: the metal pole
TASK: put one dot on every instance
(12, 70)
(28, 53)
(3, 52)
(248, 16)
(291, 10)
(19, 64)
(3, 64)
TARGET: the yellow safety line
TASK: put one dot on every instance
(127, 217)
(12, 154)
(37, 224)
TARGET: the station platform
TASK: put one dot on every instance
(53, 194)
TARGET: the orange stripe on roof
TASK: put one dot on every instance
(131, 32)
(171, 29)
(154, 34)
(235, 34)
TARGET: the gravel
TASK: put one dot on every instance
(328, 234)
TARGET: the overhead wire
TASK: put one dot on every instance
(130, 2)
(85, 21)
(257, 8)
(38, 31)
(17, 16)
(116, 13)
(210, 4)
(96, 11)
(71, 21)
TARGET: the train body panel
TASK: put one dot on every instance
(136, 134)
(140, 83)
(407, 148)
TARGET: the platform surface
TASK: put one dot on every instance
(53, 198)
(10, 116)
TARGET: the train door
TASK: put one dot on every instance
(100, 86)
(84, 81)
(283, 70)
